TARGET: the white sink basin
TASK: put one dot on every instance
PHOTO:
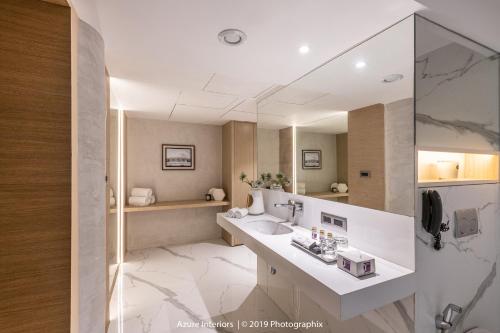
(269, 227)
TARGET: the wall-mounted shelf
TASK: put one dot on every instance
(170, 205)
(450, 182)
(327, 195)
(456, 168)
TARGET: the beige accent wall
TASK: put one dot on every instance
(144, 169)
(286, 154)
(399, 157)
(342, 159)
(268, 151)
(317, 180)
(366, 152)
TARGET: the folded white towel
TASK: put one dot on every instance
(153, 199)
(112, 202)
(237, 213)
(141, 192)
(303, 241)
(139, 201)
(111, 194)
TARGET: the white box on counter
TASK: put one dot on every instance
(355, 263)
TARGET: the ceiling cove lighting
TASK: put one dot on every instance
(360, 64)
(232, 37)
(304, 49)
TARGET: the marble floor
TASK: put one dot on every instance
(185, 288)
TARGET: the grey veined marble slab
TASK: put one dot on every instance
(457, 99)
(159, 289)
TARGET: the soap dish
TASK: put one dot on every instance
(317, 256)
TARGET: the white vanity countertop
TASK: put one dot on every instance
(338, 292)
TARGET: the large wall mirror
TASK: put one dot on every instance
(345, 131)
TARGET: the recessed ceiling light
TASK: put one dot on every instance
(360, 64)
(232, 37)
(304, 49)
(392, 78)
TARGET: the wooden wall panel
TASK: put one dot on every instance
(228, 159)
(366, 152)
(342, 165)
(239, 154)
(245, 160)
(35, 166)
(286, 155)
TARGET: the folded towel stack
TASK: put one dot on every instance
(237, 213)
(303, 241)
(141, 197)
(112, 200)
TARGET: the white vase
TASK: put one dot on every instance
(256, 202)
(217, 193)
(342, 188)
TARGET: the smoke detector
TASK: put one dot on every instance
(232, 37)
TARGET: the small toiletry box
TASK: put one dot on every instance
(355, 263)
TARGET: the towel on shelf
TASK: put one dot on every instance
(111, 193)
(153, 199)
(237, 213)
(141, 192)
(112, 202)
(139, 201)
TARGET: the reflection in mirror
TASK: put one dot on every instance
(354, 126)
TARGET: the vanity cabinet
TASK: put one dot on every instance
(278, 284)
(282, 291)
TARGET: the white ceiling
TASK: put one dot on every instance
(166, 60)
(160, 52)
(321, 99)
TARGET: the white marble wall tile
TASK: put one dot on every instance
(465, 271)
(457, 103)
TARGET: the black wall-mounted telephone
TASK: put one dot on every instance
(432, 215)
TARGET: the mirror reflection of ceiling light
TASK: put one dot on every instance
(304, 49)
(360, 64)
(232, 37)
(392, 78)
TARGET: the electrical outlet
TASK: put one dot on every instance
(466, 222)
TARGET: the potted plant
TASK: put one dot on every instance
(280, 182)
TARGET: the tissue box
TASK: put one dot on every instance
(355, 263)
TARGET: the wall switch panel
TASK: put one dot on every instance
(466, 222)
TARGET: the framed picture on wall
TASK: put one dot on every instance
(311, 159)
(178, 157)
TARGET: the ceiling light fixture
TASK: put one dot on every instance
(304, 49)
(232, 37)
(392, 78)
(360, 64)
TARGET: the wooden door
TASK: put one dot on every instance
(35, 166)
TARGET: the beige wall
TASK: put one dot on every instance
(144, 169)
(268, 151)
(342, 166)
(399, 157)
(317, 180)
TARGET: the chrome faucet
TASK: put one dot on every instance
(447, 320)
(294, 206)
